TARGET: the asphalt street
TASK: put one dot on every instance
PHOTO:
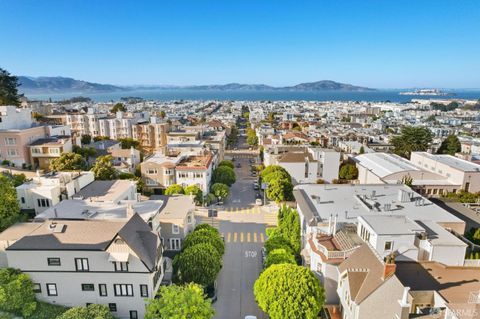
(243, 225)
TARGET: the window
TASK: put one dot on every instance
(112, 307)
(175, 243)
(168, 172)
(151, 171)
(42, 202)
(52, 290)
(53, 261)
(182, 175)
(81, 264)
(175, 229)
(151, 182)
(54, 151)
(36, 150)
(10, 141)
(388, 245)
(37, 288)
(133, 314)
(121, 266)
(144, 291)
(23, 200)
(12, 152)
(88, 287)
(189, 219)
(198, 175)
(123, 290)
(102, 289)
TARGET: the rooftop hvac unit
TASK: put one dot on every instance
(403, 196)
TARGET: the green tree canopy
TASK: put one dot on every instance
(8, 89)
(118, 107)
(92, 311)
(208, 228)
(128, 142)
(68, 162)
(180, 302)
(9, 209)
(412, 139)
(204, 236)
(280, 190)
(16, 292)
(85, 152)
(86, 139)
(226, 163)
(450, 145)
(174, 189)
(195, 191)
(199, 264)
(252, 138)
(348, 171)
(224, 175)
(289, 291)
(271, 169)
(277, 242)
(162, 114)
(279, 256)
(289, 228)
(103, 168)
(220, 190)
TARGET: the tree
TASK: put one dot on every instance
(85, 152)
(289, 228)
(411, 139)
(92, 311)
(361, 150)
(118, 107)
(16, 292)
(18, 179)
(103, 168)
(195, 191)
(280, 190)
(9, 209)
(252, 138)
(348, 171)
(224, 175)
(450, 145)
(272, 168)
(128, 142)
(180, 302)
(174, 189)
(277, 242)
(86, 139)
(204, 236)
(199, 264)
(68, 162)
(220, 190)
(289, 291)
(227, 163)
(8, 89)
(208, 228)
(279, 256)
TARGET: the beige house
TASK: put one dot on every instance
(44, 150)
(152, 136)
(77, 262)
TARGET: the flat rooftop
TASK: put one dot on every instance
(195, 162)
(85, 209)
(397, 224)
(383, 164)
(104, 191)
(348, 201)
(452, 161)
(455, 284)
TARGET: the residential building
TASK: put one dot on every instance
(117, 263)
(15, 118)
(152, 136)
(125, 160)
(44, 150)
(48, 190)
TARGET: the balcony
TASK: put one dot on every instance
(334, 247)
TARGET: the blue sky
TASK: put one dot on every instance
(382, 43)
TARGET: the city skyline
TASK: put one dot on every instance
(373, 44)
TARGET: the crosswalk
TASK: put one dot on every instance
(244, 237)
(243, 210)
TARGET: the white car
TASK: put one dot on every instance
(258, 202)
(250, 317)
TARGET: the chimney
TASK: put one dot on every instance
(389, 267)
(130, 211)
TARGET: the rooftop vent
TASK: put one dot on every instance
(57, 228)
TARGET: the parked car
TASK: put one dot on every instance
(264, 255)
(211, 291)
(252, 160)
(258, 202)
(256, 187)
(250, 317)
(254, 173)
(238, 165)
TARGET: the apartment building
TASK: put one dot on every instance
(44, 150)
(48, 190)
(459, 172)
(152, 136)
(12, 117)
(125, 160)
(78, 262)
(185, 168)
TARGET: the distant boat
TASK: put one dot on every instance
(432, 92)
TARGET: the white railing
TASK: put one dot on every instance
(471, 263)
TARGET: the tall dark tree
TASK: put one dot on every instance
(8, 89)
(450, 145)
(412, 139)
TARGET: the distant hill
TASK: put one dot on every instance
(62, 85)
(59, 84)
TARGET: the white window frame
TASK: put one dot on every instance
(10, 141)
(175, 243)
(175, 229)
